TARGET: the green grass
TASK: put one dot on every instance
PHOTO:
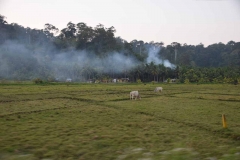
(98, 121)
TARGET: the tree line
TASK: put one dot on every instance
(218, 62)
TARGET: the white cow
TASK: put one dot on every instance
(134, 94)
(158, 89)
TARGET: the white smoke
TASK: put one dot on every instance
(114, 63)
(154, 57)
(71, 63)
(36, 61)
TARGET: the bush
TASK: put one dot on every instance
(186, 81)
(201, 80)
(168, 80)
(37, 81)
(235, 82)
(215, 80)
(139, 81)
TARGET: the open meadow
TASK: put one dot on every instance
(100, 122)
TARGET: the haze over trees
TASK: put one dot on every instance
(82, 52)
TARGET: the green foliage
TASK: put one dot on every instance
(226, 80)
(215, 80)
(209, 75)
(154, 82)
(186, 81)
(168, 80)
(38, 81)
(201, 80)
(235, 81)
(139, 81)
(191, 75)
(199, 64)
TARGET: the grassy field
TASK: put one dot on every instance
(98, 121)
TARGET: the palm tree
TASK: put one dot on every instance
(138, 71)
(153, 70)
(147, 70)
(87, 71)
(161, 69)
(176, 46)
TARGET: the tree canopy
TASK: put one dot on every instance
(26, 53)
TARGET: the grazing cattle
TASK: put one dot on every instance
(134, 94)
(158, 89)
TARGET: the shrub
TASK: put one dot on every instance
(215, 80)
(168, 80)
(235, 82)
(201, 80)
(139, 81)
(186, 81)
(37, 81)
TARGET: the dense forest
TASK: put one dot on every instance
(81, 52)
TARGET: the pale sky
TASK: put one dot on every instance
(183, 21)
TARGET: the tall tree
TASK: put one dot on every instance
(176, 46)
(50, 30)
(84, 36)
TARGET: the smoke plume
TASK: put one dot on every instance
(18, 61)
(154, 57)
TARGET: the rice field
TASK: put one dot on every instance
(99, 121)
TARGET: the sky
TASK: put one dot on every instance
(183, 21)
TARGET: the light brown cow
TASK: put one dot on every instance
(134, 94)
(158, 89)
